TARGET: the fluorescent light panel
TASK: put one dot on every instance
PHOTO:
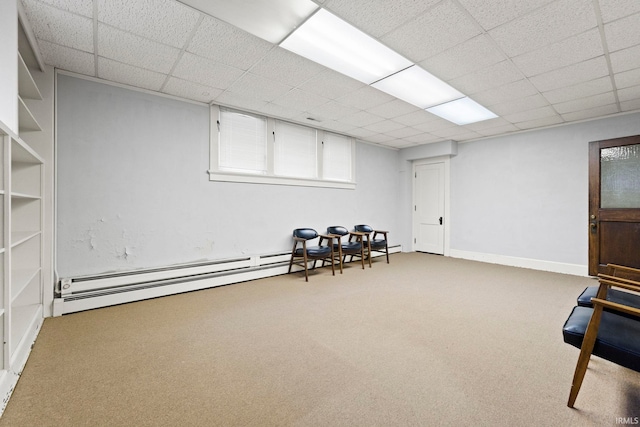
(462, 111)
(418, 87)
(270, 20)
(328, 40)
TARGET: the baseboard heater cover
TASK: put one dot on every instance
(89, 292)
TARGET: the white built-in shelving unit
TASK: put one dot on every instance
(21, 232)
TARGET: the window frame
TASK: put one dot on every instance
(215, 174)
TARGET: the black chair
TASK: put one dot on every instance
(374, 244)
(311, 253)
(619, 275)
(613, 334)
(353, 247)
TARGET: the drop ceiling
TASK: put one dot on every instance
(535, 63)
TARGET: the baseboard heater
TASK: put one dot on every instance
(89, 292)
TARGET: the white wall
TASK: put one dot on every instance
(525, 196)
(9, 64)
(133, 189)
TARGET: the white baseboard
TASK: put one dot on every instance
(535, 264)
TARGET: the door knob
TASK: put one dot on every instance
(440, 220)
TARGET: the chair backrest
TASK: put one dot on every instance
(305, 233)
(336, 229)
(363, 228)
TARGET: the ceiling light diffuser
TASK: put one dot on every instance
(328, 40)
(271, 20)
(418, 87)
(462, 111)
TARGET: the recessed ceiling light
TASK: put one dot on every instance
(328, 40)
(462, 111)
(418, 87)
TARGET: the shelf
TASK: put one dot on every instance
(22, 153)
(26, 121)
(22, 319)
(20, 237)
(20, 280)
(23, 196)
(27, 88)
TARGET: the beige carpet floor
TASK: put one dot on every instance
(422, 341)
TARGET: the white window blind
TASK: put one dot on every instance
(242, 142)
(295, 153)
(336, 157)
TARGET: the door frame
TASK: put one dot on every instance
(447, 207)
(595, 213)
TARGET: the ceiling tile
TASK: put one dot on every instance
(278, 111)
(331, 84)
(135, 50)
(385, 126)
(630, 105)
(68, 59)
(380, 138)
(581, 90)
(541, 122)
(517, 105)
(206, 72)
(435, 124)
(129, 75)
(467, 57)
(60, 27)
(487, 124)
(190, 90)
(499, 130)
(165, 21)
(361, 119)
(240, 102)
(286, 67)
(623, 33)
(627, 79)
(227, 44)
(488, 78)
(626, 59)
(80, 7)
(377, 18)
(392, 109)
(571, 75)
(606, 98)
(335, 126)
(551, 23)
(361, 132)
(404, 132)
(365, 97)
(504, 93)
(423, 138)
(332, 111)
(557, 55)
(629, 93)
(415, 118)
(258, 87)
(591, 113)
(491, 13)
(440, 28)
(300, 100)
(530, 115)
(616, 9)
(399, 144)
(455, 133)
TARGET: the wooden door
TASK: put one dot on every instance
(614, 203)
(428, 218)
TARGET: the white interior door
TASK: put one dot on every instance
(428, 215)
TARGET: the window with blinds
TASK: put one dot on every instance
(242, 142)
(255, 149)
(295, 151)
(336, 157)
